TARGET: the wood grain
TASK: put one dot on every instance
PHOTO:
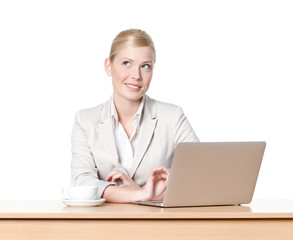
(146, 229)
(265, 219)
(57, 210)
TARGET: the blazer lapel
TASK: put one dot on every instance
(107, 133)
(146, 131)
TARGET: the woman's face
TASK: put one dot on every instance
(131, 71)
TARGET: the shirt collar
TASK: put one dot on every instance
(137, 115)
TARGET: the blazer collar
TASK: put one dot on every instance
(146, 130)
(150, 109)
(114, 114)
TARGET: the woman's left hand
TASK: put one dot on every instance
(156, 184)
(126, 180)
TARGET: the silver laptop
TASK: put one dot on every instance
(206, 173)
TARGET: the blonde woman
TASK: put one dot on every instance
(126, 145)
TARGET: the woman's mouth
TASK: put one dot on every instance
(133, 87)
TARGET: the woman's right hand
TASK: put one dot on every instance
(156, 183)
(126, 180)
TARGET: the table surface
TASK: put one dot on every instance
(55, 209)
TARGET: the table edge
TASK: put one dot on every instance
(109, 216)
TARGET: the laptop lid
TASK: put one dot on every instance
(213, 173)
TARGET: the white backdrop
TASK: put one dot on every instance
(227, 63)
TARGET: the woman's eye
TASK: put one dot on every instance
(126, 63)
(146, 66)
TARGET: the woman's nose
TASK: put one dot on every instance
(135, 73)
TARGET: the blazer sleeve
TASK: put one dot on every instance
(183, 131)
(83, 168)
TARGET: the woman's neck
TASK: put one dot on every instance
(125, 108)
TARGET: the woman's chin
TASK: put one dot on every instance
(132, 96)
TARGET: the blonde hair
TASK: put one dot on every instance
(131, 38)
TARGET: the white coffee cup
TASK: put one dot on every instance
(81, 193)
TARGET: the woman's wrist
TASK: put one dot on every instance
(142, 195)
(124, 194)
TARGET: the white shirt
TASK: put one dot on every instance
(125, 146)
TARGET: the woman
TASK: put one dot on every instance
(126, 145)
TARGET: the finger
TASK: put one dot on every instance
(111, 174)
(116, 177)
(112, 177)
(166, 170)
(109, 177)
(165, 176)
(155, 174)
(163, 169)
(157, 169)
(160, 170)
(159, 176)
(121, 176)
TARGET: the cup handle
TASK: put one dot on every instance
(65, 193)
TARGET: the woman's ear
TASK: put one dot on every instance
(108, 67)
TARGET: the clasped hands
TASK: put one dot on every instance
(153, 189)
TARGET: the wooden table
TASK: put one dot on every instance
(262, 219)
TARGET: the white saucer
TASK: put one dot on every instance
(83, 203)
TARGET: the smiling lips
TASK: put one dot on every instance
(133, 87)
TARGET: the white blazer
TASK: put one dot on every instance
(94, 153)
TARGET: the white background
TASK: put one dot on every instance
(227, 63)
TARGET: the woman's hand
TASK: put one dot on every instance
(126, 180)
(154, 188)
(156, 183)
